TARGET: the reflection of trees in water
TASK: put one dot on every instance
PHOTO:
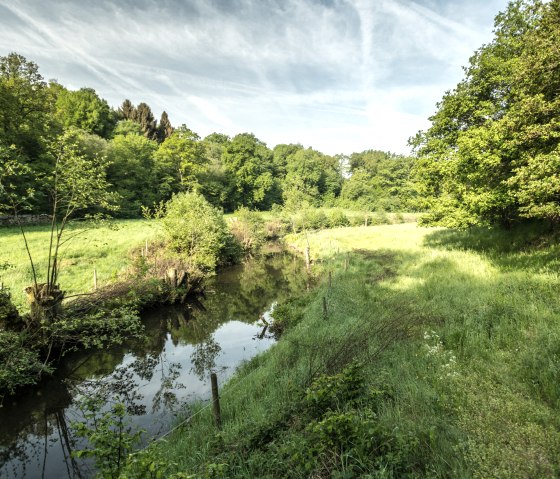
(203, 358)
(241, 293)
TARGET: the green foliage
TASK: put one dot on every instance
(491, 154)
(85, 110)
(249, 164)
(19, 365)
(378, 180)
(248, 229)
(336, 218)
(178, 162)
(312, 178)
(109, 435)
(196, 232)
(131, 172)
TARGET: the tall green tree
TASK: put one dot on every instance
(132, 172)
(471, 152)
(312, 179)
(249, 163)
(84, 109)
(178, 162)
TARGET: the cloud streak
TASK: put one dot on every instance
(340, 75)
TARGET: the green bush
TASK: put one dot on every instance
(248, 229)
(197, 233)
(9, 317)
(337, 218)
(19, 366)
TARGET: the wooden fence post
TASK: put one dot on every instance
(216, 401)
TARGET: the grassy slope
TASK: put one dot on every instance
(106, 248)
(459, 340)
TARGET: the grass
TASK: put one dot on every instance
(106, 248)
(457, 339)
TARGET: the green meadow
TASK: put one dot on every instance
(107, 248)
(429, 353)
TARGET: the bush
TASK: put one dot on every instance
(337, 218)
(9, 317)
(19, 366)
(197, 232)
(248, 229)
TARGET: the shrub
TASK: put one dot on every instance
(248, 229)
(197, 232)
(19, 366)
(337, 218)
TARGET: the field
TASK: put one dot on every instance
(107, 249)
(434, 353)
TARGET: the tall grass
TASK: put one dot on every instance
(106, 248)
(458, 341)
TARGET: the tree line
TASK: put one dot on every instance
(145, 161)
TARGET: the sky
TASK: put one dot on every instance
(340, 76)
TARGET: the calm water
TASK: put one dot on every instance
(156, 379)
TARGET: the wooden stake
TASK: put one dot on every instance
(216, 401)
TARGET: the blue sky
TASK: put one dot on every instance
(337, 75)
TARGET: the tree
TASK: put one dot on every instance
(26, 124)
(215, 184)
(77, 183)
(131, 172)
(144, 116)
(486, 129)
(312, 178)
(85, 110)
(165, 130)
(196, 231)
(249, 163)
(178, 162)
(127, 111)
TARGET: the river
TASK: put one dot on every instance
(157, 379)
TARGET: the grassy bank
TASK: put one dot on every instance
(434, 354)
(106, 248)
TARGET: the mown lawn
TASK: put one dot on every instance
(106, 248)
(434, 353)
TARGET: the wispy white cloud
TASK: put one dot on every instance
(342, 75)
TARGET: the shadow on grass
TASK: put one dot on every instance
(530, 247)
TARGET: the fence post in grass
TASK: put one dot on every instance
(330, 280)
(94, 279)
(216, 401)
(366, 221)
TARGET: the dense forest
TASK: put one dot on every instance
(144, 162)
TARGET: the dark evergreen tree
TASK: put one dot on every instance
(165, 129)
(145, 118)
(127, 111)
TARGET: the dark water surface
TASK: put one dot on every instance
(156, 379)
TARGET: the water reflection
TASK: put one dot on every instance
(154, 378)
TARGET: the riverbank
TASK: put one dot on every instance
(429, 353)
